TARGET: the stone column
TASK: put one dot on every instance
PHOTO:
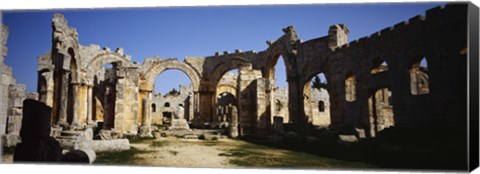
(191, 107)
(196, 105)
(293, 103)
(233, 127)
(76, 103)
(89, 106)
(206, 106)
(247, 105)
(63, 102)
(145, 130)
(107, 114)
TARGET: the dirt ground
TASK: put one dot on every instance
(174, 152)
(222, 153)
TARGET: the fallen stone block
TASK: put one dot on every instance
(361, 133)
(190, 137)
(104, 145)
(348, 138)
(80, 156)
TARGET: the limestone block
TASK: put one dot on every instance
(3, 126)
(55, 132)
(79, 156)
(157, 135)
(105, 134)
(360, 133)
(10, 140)
(104, 145)
(88, 134)
(145, 131)
(233, 131)
(179, 124)
(347, 138)
(190, 137)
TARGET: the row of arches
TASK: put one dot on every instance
(380, 102)
(314, 109)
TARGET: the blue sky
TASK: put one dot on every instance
(191, 31)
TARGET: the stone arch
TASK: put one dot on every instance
(227, 98)
(272, 61)
(105, 58)
(157, 68)
(378, 66)
(419, 80)
(380, 109)
(317, 103)
(292, 107)
(45, 86)
(224, 66)
(226, 88)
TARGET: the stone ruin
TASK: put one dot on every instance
(374, 83)
(163, 106)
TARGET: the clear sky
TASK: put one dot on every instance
(191, 31)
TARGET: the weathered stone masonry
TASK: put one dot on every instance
(82, 92)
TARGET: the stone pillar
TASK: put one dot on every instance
(233, 127)
(262, 118)
(196, 105)
(128, 100)
(76, 104)
(293, 103)
(89, 105)
(247, 99)
(107, 113)
(206, 106)
(191, 107)
(145, 129)
(63, 99)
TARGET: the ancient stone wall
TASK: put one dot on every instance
(401, 94)
(126, 100)
(168, 103)
(5, 79)
(402, 45)
(280, 103)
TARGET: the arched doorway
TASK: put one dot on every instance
(317, 101)
(419, 83)
(172, 88)
(103, 96)
(380, 104)
(226, 98)
(278, 89)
